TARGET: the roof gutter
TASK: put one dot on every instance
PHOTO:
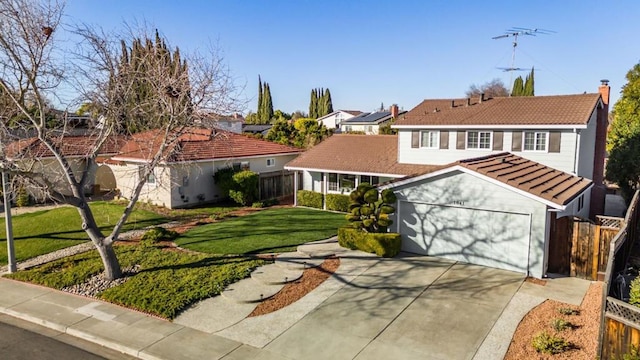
(467, 127)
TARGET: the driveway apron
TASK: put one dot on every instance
(408, 307)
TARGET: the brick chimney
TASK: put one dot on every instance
(599, 191)
(394, 111)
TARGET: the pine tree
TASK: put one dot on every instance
(518, 87)
(140, 59)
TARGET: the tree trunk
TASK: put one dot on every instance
(104, 246)
(112, 268)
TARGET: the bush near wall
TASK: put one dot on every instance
(382, 244)
(338, 202)
(309, 198)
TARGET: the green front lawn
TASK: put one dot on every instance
(50, 230)
(166, 283)
(266, 231)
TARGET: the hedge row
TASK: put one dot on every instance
(335, 202)
(382, 244)
(309, 198)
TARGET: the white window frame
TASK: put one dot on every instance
(245, 165)
(344, 189)
(151, 178)
(332, 185)
(271, 162)
(479, 132)
(347, 128)
(536, 136)
(368, 128)
(430, 146)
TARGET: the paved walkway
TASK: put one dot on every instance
(408, 307)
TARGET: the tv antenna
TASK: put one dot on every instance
(514, 33)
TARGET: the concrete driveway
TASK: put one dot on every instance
(409, 307)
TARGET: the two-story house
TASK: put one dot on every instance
(498, 172)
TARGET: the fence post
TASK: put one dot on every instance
(596, 254)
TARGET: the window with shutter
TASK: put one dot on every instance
(415, 139)
(497, 140)
(516, 141)
(444, 139)
(554, 141)
(460, 140)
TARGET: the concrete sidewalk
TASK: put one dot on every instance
(408, 307)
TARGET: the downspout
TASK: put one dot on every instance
(576, 153)
(324, 191)
(529, 247)
(295, 188)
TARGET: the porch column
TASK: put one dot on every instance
(324, 190)
(295, 188)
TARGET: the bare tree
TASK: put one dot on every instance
(493, 88)
(33, 68)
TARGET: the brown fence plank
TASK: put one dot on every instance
(595, 253)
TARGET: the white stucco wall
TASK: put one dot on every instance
(333, 121)
(460, 189)
(52, 171)
(564, 160)
(370, 129)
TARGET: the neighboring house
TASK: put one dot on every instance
(185, 177)
(33, 152)
(498, 173)
(256, 129)
(233, 123)
(333, 120)
(369, 123)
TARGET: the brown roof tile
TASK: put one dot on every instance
(201, 144)
(374, 154)
(521, 110)
(550, 184)
(69, 146)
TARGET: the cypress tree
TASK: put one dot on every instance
(313, 105)
(518, 87)
(268, 104)
(260, 99)
(328, 102)
(529, 85)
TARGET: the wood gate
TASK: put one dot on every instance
(276, 184)
(580, 248)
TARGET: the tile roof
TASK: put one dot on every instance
(200, 144)
(521, 110)
(373, 154)
(69, 146)
(540, 180)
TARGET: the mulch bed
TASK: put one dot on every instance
(292, 292)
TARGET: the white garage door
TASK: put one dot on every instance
(490, 238)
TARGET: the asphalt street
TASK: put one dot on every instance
(20, 340)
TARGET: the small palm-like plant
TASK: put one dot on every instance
(369, 209)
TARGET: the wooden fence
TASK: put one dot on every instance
(579, 247)
(620, 322)
(276, 184)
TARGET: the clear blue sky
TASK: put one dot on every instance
(372, 52)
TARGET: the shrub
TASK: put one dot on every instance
(338, 202)
(382, 244)
(634, 292)
(245, 187)
(258, 205)
(561, 324)
(156, 235)
(309, 198)
(370, 210)
(568, 311)
(224, 180)
(549, 344)
(22, 198)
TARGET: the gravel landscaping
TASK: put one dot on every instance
(583, 337)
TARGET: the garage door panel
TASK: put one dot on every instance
(490, 238)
